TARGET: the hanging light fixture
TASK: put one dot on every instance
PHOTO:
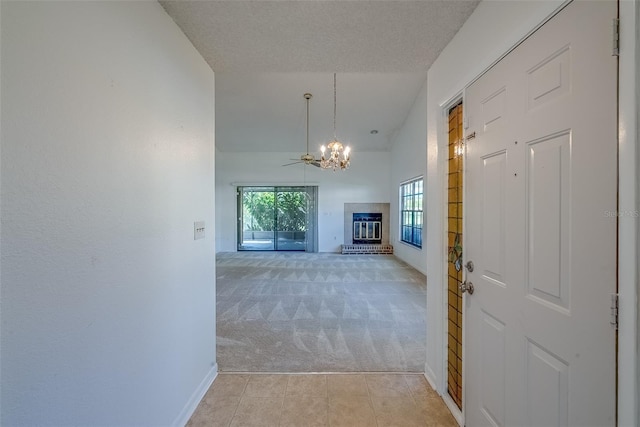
(338, 156)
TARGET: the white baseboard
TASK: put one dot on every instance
(453, 408)
(451, 405)
(431, 378)
(195, 398)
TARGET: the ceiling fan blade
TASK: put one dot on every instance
(289, 164)
(316, 164)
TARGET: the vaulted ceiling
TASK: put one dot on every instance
(267, 54)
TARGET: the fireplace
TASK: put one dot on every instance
(367, 228)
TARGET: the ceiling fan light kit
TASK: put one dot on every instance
(307, 159)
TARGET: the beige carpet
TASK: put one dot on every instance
(301, 312)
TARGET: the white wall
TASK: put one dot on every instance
(489, 32)
(108, 304)
(408, 160)
(366, 180)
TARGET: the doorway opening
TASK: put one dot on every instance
(277, 218)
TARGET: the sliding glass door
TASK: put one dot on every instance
(277, 219)
(256, 207)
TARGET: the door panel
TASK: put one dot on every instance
(493, 109)
(548, 221)
(493, 216)
(541, 173)
(493, 374)
(256, 219)
(549, 79)
(547, 388)
(291, 218)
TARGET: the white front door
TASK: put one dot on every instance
(541, 184)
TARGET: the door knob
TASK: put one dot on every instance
(466, 287)
(469, 266)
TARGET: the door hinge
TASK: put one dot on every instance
(616, 37)
(614, 311)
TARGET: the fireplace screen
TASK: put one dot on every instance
(367, 228)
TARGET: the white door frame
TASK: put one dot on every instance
(629, 203)
(628, 233)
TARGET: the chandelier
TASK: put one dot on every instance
(338, 156)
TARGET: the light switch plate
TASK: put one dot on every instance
(198, 230)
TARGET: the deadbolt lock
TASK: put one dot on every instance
(469, 266)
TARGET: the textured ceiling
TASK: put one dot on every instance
(267, 54)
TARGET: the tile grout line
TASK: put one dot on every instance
(328, 401)
(286, 388)
(235, 411)
(404, 378)
(373, 408)
(326, 395)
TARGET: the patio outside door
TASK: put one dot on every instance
(277, 218)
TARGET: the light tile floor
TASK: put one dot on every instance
(329, 400)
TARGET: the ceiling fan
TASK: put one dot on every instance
(307, 159)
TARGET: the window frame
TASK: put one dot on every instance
(411, 210)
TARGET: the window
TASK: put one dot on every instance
(411, 212)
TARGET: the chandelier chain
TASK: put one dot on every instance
(334, 106)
